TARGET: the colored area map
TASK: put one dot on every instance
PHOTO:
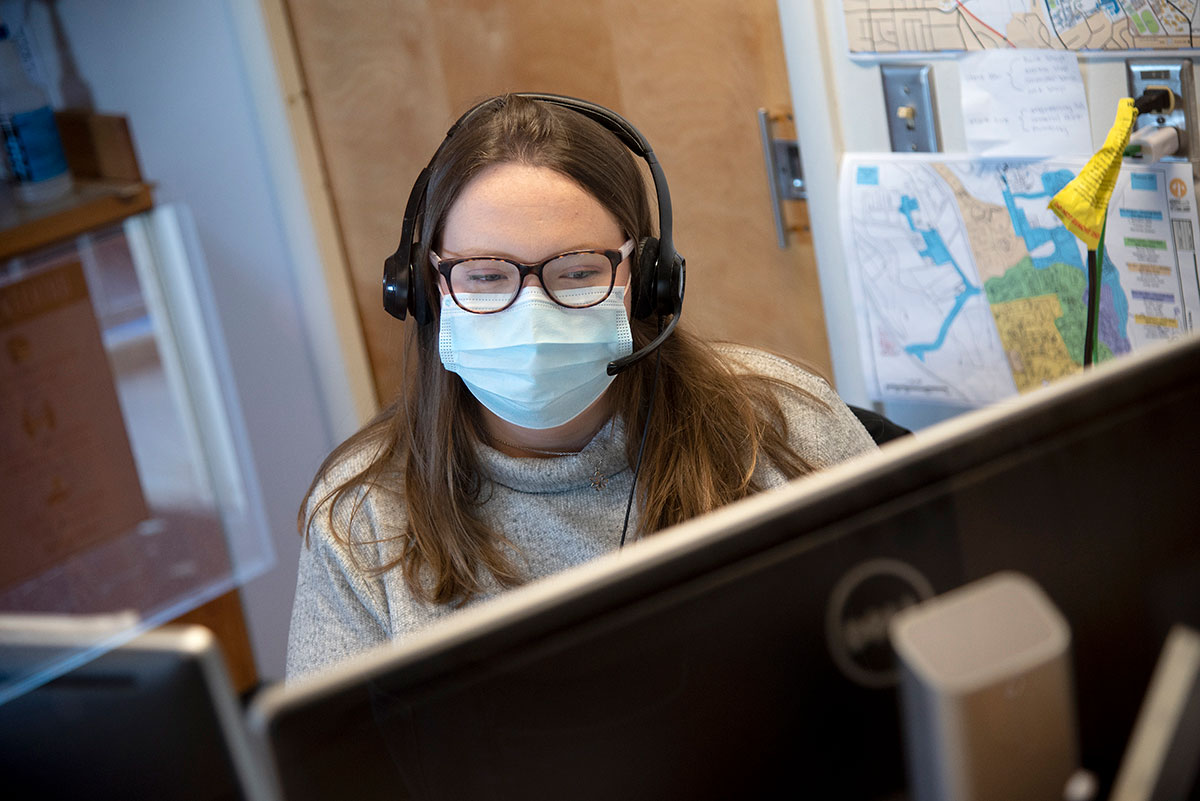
(968, 289)
(918, 26)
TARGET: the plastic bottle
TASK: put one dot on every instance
(31, 144)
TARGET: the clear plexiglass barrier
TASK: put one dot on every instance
(129, 496)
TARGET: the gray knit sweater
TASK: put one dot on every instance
(550, 509)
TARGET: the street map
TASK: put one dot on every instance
(921, 26)
(968, 289)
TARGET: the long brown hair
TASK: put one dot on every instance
(708, 431)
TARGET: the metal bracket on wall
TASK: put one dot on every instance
(912, 125)
(785, 176)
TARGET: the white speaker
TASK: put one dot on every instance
(986, 693)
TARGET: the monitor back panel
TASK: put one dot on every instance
(154, 718)
(755, 663)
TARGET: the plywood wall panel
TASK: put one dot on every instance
(695, 90)
(379, 106)
(487, 48)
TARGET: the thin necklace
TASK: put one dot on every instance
(599, 479)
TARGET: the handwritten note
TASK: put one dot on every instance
(1024, 103)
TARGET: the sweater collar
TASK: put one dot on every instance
(598, 462)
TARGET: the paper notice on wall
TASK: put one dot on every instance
(968, 288)
(1151, 243)
(1024, 102)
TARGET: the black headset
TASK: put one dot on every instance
(659, 279)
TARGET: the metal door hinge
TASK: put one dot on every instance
(785, 175)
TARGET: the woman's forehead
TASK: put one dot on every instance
(526, 212)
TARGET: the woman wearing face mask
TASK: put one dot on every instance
(510, 454)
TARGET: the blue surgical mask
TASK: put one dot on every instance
(536, 364)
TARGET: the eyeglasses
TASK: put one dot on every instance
(490, 284)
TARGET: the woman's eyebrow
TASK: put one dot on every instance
(492, 254)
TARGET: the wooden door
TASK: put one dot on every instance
(386, 78)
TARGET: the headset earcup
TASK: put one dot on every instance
(418, 304)
(404, 291)
(670, 288)
(645, 286)
(396, 289)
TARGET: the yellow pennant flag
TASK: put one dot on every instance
(1082, 203)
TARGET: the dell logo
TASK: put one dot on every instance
(861, 605)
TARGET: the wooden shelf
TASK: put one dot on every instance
(91, 205)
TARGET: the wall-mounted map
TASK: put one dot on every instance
(968, 289)
(921, 26)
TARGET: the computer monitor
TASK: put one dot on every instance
(153, 718)
(744, 654)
